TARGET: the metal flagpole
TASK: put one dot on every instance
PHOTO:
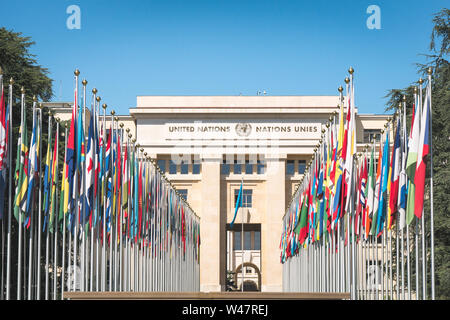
(111, 212)
(103, 284)
(38, 264)
(64, 225)
(47, 239)
(82, 201)
(430, 71)
(77, 204)
(422, 229)
(20, 227)
(31, 173)
(242, 235)
(8, 240)
(55, 228)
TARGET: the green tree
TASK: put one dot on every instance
(437, 59)
(18, 63)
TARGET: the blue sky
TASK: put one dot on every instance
(217, 47)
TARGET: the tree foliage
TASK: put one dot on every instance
(437, 59)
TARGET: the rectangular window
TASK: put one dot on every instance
(162, 165)
(184, 168)
(246, 197)
(257, 240)
(172, 167)
(237, 168)
(247, 240)
(225, 168)
(248, 167)
(196, 168)
(183, 193)
(290, 167)
(301, 166)
(371, 135)
(260, 168)
(237, 240)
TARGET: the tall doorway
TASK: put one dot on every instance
(243, 257)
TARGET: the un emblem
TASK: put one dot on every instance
(243, 129)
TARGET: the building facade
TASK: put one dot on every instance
(209, 145)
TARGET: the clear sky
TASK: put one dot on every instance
(226, 47)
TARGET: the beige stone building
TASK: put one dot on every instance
(208, 145)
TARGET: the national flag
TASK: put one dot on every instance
(89, 173)
(395, 176)
(47, 180)
(402, 194)
(3, 148)
(411, 162)
(423, 151)
(238, 204)
(377, 190)
(32, 164)
(70, 163)
(384, 182)
(54, 177)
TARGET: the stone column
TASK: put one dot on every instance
(271, 268)
(212, 228)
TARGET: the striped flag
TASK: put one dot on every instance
(395, 176)
(423, 151)
(412, 161)
(3, 148)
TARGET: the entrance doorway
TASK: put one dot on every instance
(243, 257)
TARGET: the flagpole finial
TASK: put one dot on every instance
(94, 91)
(127, 130)
(77, 72)
(130, 135)
(11, 81)
(121, 125)
(420, 81)
(346, 80)
(34, 98)
(351, 70)
(116, 118)
(141, 149)
(340, 89)
(404, 98)
(104, 106)
(1, 71)
(98, 99)
(113, 112)
(22, 90)
(430, 71)
(84, 82)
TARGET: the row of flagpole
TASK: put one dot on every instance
(357, 225)
(107, 219)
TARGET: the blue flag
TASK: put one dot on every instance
(238, 205)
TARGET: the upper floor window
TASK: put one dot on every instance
(246, 197)
(301, 166)
(172, 167)
(162, 165)
(196, 168)
(371, 135)
(290, 168)
(183, 193)
(237, 167)
(184, 167)
(248, 167)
